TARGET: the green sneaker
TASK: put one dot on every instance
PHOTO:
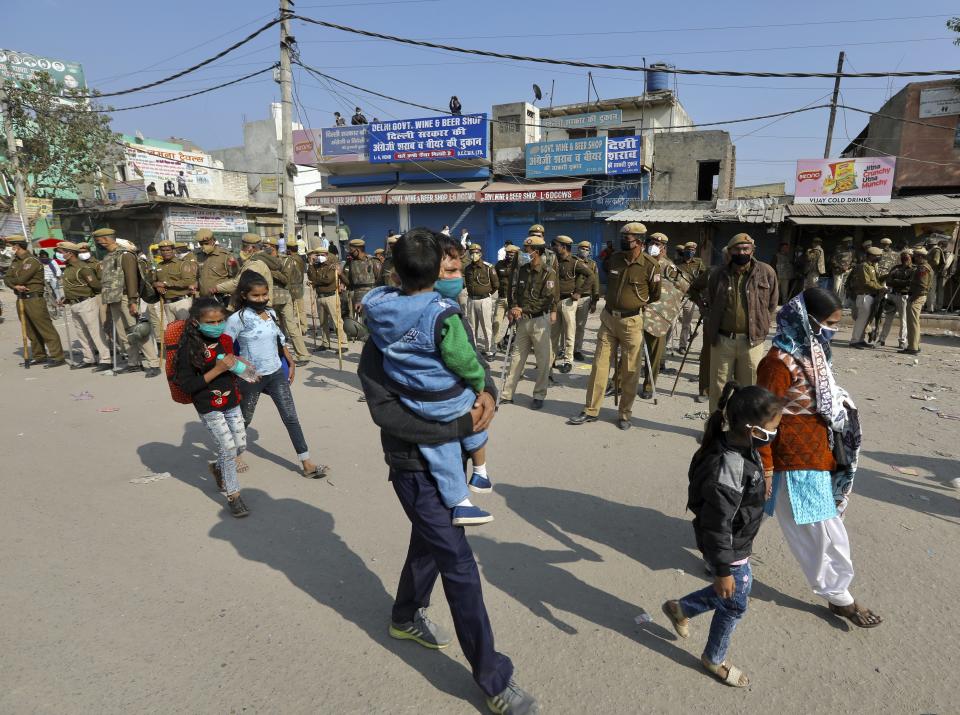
(422, 630)
(514, 700)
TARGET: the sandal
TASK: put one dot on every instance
(681, 624)
(862, 617)
(734, 677)
(318, 472)
(241, 465)
(215, 471)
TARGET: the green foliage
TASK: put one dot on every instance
(61, 141)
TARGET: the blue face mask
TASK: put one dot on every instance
(525, 259)
(825, 334)
(211, 330)
(449, 287)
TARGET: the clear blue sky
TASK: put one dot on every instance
(122, 45)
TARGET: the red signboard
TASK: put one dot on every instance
(347, 200)
(432, 197)
(529, 195)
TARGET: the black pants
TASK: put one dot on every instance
(437, 547)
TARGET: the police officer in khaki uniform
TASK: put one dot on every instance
(898, 282)
(284, 273)
(25, 278)
(362, 272)
(589, 299)
(250, 260)
(326, 277)
(174, 279)
(815, 264)
(293, 263)
(888, 260)
(656, 344)
(215, 265)
(633, 282)
(120, 292)
(919, 289)
(481, 281)
(387, 276)
(574, 279)
(505, 269)
(935, 264)
(691, 265)
(533, 307)
(866, 287)
(81, 288)
(841, 263)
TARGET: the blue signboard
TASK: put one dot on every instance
(567, 157)
(612, 117)
(447, 137)
(623, 155)
(346, 141)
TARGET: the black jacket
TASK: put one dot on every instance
(400, 429)
(726, 494)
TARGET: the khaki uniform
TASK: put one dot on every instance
(481, 281)
(324, 279)
(536, 294)
(574, 279)
(180, 277)
(44, 339)
(215, 268)
(362, 276)
(786, 272)
(504, 271)
(81, 290)
(588, 300)
(689, 312)
(919, 290)
(815, 267)
(256, 264)
(866, 287)
(284, 274)
(119, 278)
(898, 281)
(293, 264)
(935, 262)
(888, 261)
(656, 344)
(841, 262)
(386, 269)
(630, 286)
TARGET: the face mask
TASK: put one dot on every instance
(585, 253)
(626, 244)
(320, 259)
(208, 248)
(258, 307)
(824, 333)
(45, 260)
(688, 254)
(768, 435)
(474, 257)
(211, 330)
(59, 257)
(525, 259)
(740, 259)
(653, 250)
(85, 256)
(449, 287)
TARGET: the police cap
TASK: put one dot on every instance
(563, 240)
(16, 239)
(534, 241)
(251, 239)
(357, 243)
(104, 232)
(874, 251)
(204, 234)
(742, 239)
(635, 228)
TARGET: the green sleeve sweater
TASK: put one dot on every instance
(458, 353)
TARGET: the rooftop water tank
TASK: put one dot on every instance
(657, 79)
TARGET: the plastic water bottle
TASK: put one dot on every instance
(243, 369)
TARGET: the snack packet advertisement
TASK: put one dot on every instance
(864, 180)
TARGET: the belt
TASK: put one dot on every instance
(624, 313)
(732, 336)
(25, 296)
(564, 296)
(535, 315)
(326, 295)
(479, 297)
(365, 285)
(174, 300)
(74, 301)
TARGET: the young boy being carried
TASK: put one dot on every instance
(431, 363)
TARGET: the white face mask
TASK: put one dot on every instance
(59, 256)
(85, 256)
(321, 259)
(653, 250)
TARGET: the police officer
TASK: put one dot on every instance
(81, 288)
(294, 265)
(505, 268)
(120, 281)
(656, 246)
(174, 279)
(215, 265)
(588, 299)
(691, 265)
(888, 259)
(866, 288)
(25, 278)
(549, 257)
(574, 279)
(633, 282)
(326, 277)
(250, 260)
(815, 265)
(362, 273)
(533, 308)
(935, 263)
(786, 271)
(841, 263)
(284, 273)
(386, 265)
(898, 282)
(919, 289)
(481, 281)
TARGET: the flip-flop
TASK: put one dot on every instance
(681, 624)
(242, 466)
(858, 616)
(735, 677)
(318, 472)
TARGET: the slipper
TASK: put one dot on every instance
(318, 472)
(734, 677)
(242, 466)
(862, 617)
(681, 624)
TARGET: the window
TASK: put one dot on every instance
(581, 133)
(510, 123)
(708, 180)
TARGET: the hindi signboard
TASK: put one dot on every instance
(429, 139)
(345, 143)
(939, 102)
(182, 219)
(584, 157)
(18, 67)
(623, 155)
(865, 180)
(306, 146)
(609, 118)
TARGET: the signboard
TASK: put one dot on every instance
(181, 219)
(39, 208)
(939, 102)
(447, 137)
(269, 184)
(20, 66)
(583, 157)
(432, 197)
(531, 195)
(157, 165)
(866, 180)
(306, 145)
(611, 118)
(347, 200)
(345, 143)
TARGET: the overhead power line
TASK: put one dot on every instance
(625, 68)
(187, 96)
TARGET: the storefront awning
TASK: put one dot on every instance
(914, 220)
(498, 191)
(435, 193)
(885, 221)
(350, 195)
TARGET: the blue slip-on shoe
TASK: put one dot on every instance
(470, 516)
(480, 484)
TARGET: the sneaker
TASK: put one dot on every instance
(237, 507)
(479, 484)
(421, 630)
(624, 424)
(582, 418)
(470, 516)
(514, 700)
(152, 372)
(565, 367)
(129, 369)
(537, 404)
(577, 355)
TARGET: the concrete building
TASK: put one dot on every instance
(693, 166)
(927, 147)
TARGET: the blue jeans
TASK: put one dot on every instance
(727, 611)
(277, 386)
(446, 466)
(228, 430)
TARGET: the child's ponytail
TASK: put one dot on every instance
(714, 427)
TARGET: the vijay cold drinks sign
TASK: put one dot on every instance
(865, 180)
(448, 137)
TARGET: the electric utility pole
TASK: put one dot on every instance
(288, 202)
(833, 107)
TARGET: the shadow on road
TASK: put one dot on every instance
(933, 497)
